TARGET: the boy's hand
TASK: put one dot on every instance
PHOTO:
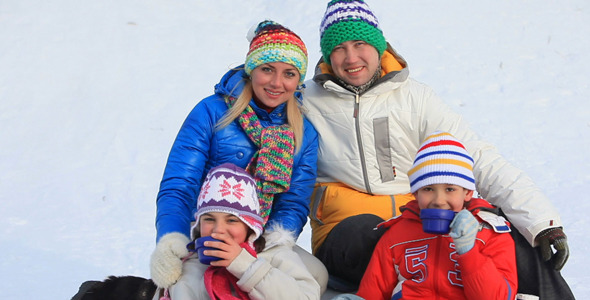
(463, 230)
(228, 249)
(557, 238)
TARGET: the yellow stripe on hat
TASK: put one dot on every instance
(438, 135)
(439, 162)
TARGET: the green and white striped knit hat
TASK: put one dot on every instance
(349, 20)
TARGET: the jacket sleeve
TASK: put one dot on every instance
(183, 174)
(489, 271)
(291, 208)
(278, 275)
(381, 276)
(498, 181)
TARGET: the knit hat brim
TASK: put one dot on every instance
(356, 30)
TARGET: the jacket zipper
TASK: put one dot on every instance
(360, 142)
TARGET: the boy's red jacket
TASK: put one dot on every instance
(410, 264)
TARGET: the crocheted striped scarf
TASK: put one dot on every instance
(272, 165)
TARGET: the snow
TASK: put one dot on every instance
(92, 94)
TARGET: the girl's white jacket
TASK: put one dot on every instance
(369, 142)
(277, 273)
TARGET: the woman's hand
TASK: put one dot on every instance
(228, 249)
(166, 260)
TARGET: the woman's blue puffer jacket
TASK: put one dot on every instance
(199, 147)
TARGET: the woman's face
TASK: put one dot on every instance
(274, 84)
(223, 223)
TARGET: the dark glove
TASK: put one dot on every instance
(555, 237)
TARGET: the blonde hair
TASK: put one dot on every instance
(294, 114)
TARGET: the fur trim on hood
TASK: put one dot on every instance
(277, 235)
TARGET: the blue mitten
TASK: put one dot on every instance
(463, 230)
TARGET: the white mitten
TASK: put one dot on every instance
(166, 261)
(464, 228)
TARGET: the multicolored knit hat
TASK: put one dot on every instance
(230, 189)
(272, 42)
(349, 20)
(442, 159)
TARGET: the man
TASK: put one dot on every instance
(372, 117)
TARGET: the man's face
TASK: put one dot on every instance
(355, 62)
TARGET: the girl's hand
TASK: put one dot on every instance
(228, 249)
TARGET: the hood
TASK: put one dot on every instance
(393, 67)
(232, 83)
(277, 235)
(410, 211)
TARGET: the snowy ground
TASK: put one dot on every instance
(92, 94)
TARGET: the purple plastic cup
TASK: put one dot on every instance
(436, 221)
(200, 247)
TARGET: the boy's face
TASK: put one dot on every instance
(223, 223)
(443, 196)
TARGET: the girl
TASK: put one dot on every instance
(228, 210)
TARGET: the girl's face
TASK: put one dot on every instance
(274, 84)
(219, 222)
(443, 196)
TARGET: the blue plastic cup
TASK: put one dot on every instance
(436, 221)
(200, 247)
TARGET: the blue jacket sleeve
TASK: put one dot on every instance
(291, 208)
(183, 174)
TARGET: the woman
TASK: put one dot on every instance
(253, 121)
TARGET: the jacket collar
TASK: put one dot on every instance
(278, 116)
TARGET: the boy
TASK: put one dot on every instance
(476, 260)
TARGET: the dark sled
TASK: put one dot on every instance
(117, 288)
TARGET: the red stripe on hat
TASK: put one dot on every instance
(442, 143)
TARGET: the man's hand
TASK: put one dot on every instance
(554, 237)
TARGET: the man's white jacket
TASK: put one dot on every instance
(369, 142)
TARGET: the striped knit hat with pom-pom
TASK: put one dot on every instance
(230, 189)
(349, 20)
(442, 159)
(272, 42)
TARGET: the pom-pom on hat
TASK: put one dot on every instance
(349, 20)
(230, 189)
(442, 159)
(272, 42)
